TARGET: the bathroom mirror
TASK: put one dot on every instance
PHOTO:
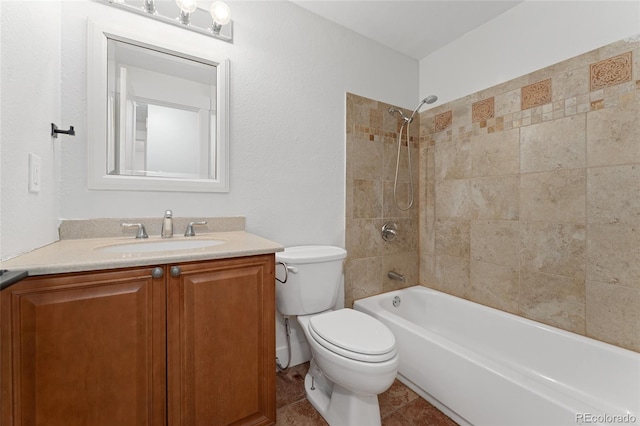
(157, 113)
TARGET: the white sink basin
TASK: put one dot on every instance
(163, 245)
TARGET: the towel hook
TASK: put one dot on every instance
(55, 131)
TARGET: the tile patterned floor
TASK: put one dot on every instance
(399, 406)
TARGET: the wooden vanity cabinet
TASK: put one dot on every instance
(84, 349)
(193, 347)
(221, 342)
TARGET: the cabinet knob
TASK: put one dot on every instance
(175, 271)
(157, 272)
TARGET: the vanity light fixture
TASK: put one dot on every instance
(214, 23)
(221, 15)
(187, 7)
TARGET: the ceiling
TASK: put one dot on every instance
(415, 28)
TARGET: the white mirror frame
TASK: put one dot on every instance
(98, 178)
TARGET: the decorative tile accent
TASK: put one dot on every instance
(482, 110)
(536, 94)
(442, 121)
(612, 71)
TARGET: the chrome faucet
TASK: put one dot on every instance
(167, 225)
(189, 232)
(395, 276)
(142, 232)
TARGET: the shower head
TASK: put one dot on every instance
(430, 99)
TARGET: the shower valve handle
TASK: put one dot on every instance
(389, 231)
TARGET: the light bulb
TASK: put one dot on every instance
(187, 6)
(220, 13)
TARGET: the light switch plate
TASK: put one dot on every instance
(35, 173)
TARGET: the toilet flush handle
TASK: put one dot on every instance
(287, 269)
(286, 273)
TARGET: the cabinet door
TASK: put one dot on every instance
(221, 343)
(84, 349)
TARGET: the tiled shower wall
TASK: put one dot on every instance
(372, 147)
(529, 197)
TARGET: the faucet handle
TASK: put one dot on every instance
(142, 233)
(389, 231)
(189, 232)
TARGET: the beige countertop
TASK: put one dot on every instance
(76, 255)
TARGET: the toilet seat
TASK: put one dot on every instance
(354, 335)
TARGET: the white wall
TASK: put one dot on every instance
(289, 73)
(30, 102)
(532, 35)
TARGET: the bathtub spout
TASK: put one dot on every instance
(395, 276)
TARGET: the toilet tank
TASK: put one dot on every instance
(313, 281)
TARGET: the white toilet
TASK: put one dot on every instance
(354, 356)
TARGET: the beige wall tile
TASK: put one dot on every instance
(552, 145)
(496, 242)
(613, 254)
(453, 159)
(348, 193)
(406, 264)
(453, 198)
(367, 199)
(613, 194)
(452, 237)
(495, 197)
(363, 238)
(428, 198)
(494, 285)
(365, 158)
(613, 314)
(507, 102)
(390, 123)
(423, 162)
(496, 153)
(558, 249)
(553, 196)
(452, 275)
(427, 269)
(571, 83)
(613, 135)
(427, 234)
(407, 239)
(430, 163)
(461, 110)
(364, 276)
(394, 207)
(552, 299)
(390, 158)
(441, 137)
(362, 111)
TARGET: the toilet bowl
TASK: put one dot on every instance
(354, 356)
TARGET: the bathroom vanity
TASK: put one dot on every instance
(182, 337)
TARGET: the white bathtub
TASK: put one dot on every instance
(482, 366)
